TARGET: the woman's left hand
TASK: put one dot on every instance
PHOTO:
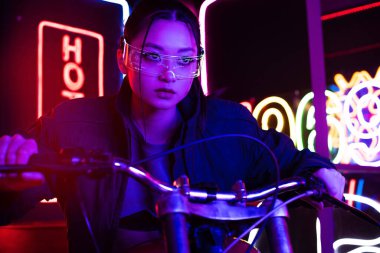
(333, 180)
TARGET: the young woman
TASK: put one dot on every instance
(160, 106)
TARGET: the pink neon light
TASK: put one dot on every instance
(351, 190)
(89, 33)
(76, 49)
(202, 23)
(74, 86)
(350, 11)
(352, 51)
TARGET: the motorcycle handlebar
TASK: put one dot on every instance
(97, 164)
(100, 164)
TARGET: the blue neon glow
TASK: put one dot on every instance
(359, 191)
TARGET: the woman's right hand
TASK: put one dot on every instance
(17, 150)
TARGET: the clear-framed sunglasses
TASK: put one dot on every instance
(155, 64)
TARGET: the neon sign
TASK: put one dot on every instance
(202, 24)
(61, 50)
(364, 245)
(72, 85)
(276, 113)
(353, 117)
(350, 11)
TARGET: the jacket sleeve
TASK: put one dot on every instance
(15, 204)
(256, 162)
(290, 160)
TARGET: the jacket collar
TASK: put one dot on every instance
(189, 107)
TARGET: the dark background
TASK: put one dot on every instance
(255, 49)
(19, 21)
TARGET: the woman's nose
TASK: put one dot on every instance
(168, 75)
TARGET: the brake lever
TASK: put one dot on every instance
(315, 184)
(322, 195)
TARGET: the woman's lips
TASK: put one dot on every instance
(164, 93)
(165, 90)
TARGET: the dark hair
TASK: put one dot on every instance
(147, 11)
(142, 17)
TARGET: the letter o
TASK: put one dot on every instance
(73, 85)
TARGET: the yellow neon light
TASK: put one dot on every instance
(361, 115)
(345, 144)
(302, 106)
(353, 137)
(357, 77)
(306, 112)
(280, 119)
(305, 103)
(351, 100)
(277, 114)
(311, 140)
(337, 133)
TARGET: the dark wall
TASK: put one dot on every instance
(18, 50)
(352, 44)
(257, 48)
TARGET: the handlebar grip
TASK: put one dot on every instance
(75, 161)
(44, 159)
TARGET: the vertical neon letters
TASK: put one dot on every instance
(72, 66)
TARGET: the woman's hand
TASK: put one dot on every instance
(17, 150)
(333, 180)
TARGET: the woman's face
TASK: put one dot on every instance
(165, 89)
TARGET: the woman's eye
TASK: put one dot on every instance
(186, 60)
(152, 57)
